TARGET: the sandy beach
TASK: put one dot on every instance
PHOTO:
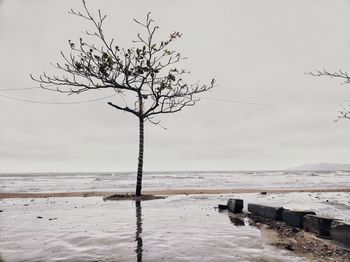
(170, 192)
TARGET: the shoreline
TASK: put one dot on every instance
(170, 192)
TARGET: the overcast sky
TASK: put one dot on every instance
(257, 51)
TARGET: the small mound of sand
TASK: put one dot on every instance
(132, 197)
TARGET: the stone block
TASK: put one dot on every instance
(318, 225)
(274, 213)
(340, 232)
(235, 205)
(295, 217)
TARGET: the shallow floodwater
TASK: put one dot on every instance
(87, 229)
(125, 181)
(178, 228)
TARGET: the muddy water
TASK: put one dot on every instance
(178, 228)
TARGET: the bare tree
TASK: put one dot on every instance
(344, 113)
(146, 75)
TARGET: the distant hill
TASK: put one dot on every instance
(322, 166)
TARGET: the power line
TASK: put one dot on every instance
(267, 105)
(105, 97)
(19, 89)
(50, 103)
(56, 103)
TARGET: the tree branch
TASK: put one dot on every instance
(345, 113)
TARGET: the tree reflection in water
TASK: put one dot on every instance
(138, 237)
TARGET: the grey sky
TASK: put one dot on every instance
(257, 51)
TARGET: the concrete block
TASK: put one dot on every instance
(295, 217)
(222, 207)
(318, 225)
(274, 213)
(340, 232)
(235, 205)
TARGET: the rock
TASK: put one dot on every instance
(235, 205)
(1, 211)
(274, 213)
(318, 225)
(39, 217)
(289, 247)
(295, 217)
(222, 207)
(263, 193)
(340, 232)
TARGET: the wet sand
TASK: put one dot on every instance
(172, 192)
(182, 227)
(176, 228)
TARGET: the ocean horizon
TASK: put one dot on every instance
(168, 180)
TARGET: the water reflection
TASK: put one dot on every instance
(237, 221)
(138, 236)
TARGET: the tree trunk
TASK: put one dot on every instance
(140, 160)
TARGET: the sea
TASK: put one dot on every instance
(125, 181)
